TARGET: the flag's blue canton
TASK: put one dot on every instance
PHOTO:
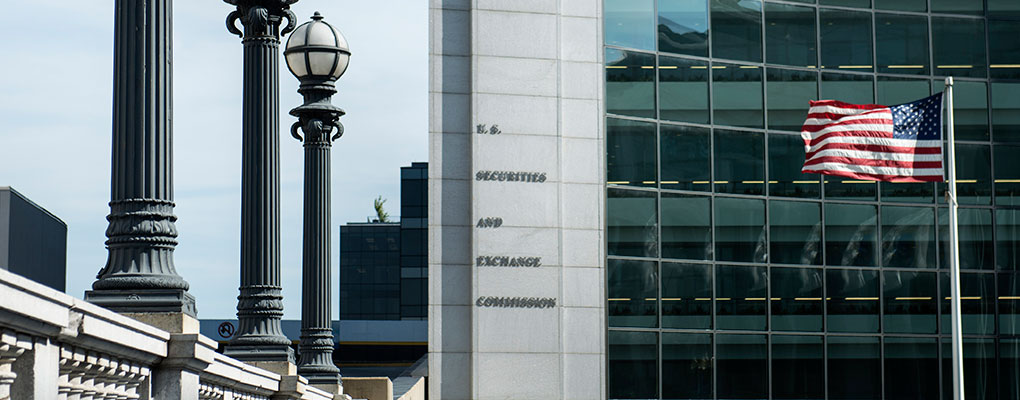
(919, 120)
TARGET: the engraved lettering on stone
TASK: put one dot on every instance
(516, 302)
(482, 129)
(507, 261)
(510, 176)
(489, 223)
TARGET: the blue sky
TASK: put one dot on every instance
(55, 124)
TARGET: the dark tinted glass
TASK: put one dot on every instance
(1009, 365)
(739, 162)
(1007, 175)
(796, 299)
(632, 293)
(736, 95)
(970, 109)
(683, 27)
(686, 296)
(901, 5)
(740, 230)
(908, 237)
(855, 368)
(911, 369)
(1004, 48)
(687, 361)
(846, 40)
(902, 43)
(959, 46)
(852, 304)
(736, 29)
(909, 299)
(630, 152)
(1006, 112)
(741, 363)
(798, 369)
(977, 300)
(1003, 8)
(686, 232)
(850, 234)
(893, 91)
(838, 188)
(973, 175)
(630, 23)
(685, 157)
(1009, 304)
(683, 90)
(633, 370)
(907, 192)
(786, 158)
(630, 83)
(790, 35)
(974, 7)
(979, 370)
(976, 245)
(1007, 239)
(740, 297)
(857, 89)
(789, 92)
(796, 232)
(631, 223)
(847, 3)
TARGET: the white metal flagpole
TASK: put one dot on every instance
(954, 252)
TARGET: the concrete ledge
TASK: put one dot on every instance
(369, 388)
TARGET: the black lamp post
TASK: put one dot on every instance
(317, 54)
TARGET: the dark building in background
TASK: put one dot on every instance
(33, 242)
(414, 213)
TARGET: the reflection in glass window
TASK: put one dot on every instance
(909, 299)
(847, 3)
(1003, 8)
(633, 370)
(902, 5)
(631, 223)
(1007, 239)
(1009, 304)
(686, 229)
(1009, 364)
(908, 237)
(687, 362)
(790, 35)
(979, 370)
(683, 27)
(902, 44)
(632, 293)
(1007, 175)
(798, 370)
(850, 88)
(907, 192)
(911, 369)
(977, 300)
(850, 234)
(839, 188)
(796, 299)
(736, 29)
(893, 91)
(970, 109)
(853, 296)
(741, 362)
(973, 176)
(958, 45)
(740, 297)
(629, 23)
(796, 232)
(846, 40)
(683, 90)
(786, 158)
(736, 95)
(630, 83)
(686, 296)
(685, 157)
(1003, 48)
(976, 245)
(789, 93)
(739, 162)
(973, 7)
(855, 368)
(630, 152)
(1006, 111)
(740, 230)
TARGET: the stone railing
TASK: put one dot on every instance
(54, 346)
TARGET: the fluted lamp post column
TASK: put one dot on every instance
(317, 54)
(259, 336)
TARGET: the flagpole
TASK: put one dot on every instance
(954, 252)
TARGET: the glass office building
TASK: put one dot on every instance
(731, 275)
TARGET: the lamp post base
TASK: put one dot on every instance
(261, 353)
(144, 301)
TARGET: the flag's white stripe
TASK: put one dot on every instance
(885, 128)
(874, 170)
(875, 155)
(844, 111)
(816, 122)
(872, 140)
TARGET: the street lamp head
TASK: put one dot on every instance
(317, 51)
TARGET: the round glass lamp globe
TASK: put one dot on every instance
(317, 50)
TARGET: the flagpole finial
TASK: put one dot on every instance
(949, 81)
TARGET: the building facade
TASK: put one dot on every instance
(414, 241)
(33, 242)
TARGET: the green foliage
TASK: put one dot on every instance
(381, 214)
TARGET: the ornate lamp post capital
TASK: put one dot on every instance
(261, 18)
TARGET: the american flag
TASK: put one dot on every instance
(873, 142)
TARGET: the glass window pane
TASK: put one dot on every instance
(1009, 304)
(901, 5)
(847, 3)
(786, 158)
(979, 370)
(976, 245)
(796, 299)
(839, 188)
(632, 293)
(686, 296)
(736, 95)
(977, 298)
(855, 369)
(893, 91)
(1006, 112)
(849, 88)
(1004, 48)
(740, 230)
(1007, 175)
(686, 232)
(902, 42)
(736, 29)
(970, 109)
(630, 83)
(798, 371)
(1007, 239)
(687, 361)
(852, 304)
(909, 299)
(633, 369)
(741, 363)
(846, 40)
(908, 192)
(739, 162)
(630, 23)
(959, 46)
(683, 27)
(908, 237)
(850, 234)
(683, 90)
(1003, 8)
(685, 157)
(740, 297)
(789, 92)
(631, 223)
(796, 232)
(973, 176)
(790, 35)
(1009, 363)
(911, 369)
(973, 7)
(630, 152)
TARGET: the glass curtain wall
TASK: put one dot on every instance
(731, 274)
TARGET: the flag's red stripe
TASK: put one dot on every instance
(874, 163)
(837, 116)
(876, 148)
(840, 104)
(860, 134)
(878, 177)
(870, 121)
